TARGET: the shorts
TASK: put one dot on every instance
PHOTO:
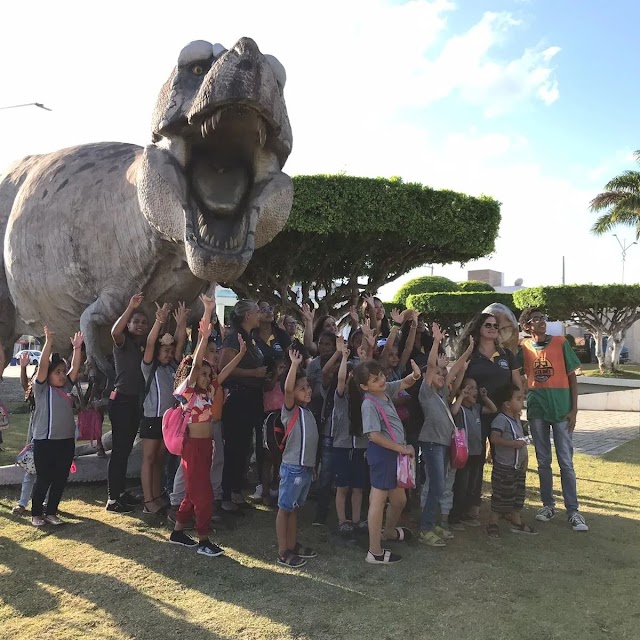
(507, 488)
(383, 467)
(295, 482)
(350, 467)
(151, 428)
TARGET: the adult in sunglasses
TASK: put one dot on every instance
(491, 365)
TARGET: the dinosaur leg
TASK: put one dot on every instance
(8, 334)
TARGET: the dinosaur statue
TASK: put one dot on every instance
(87, 227)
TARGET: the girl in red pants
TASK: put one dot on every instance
(196, 377)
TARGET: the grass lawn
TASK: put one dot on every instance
(629, 371)
(112, 577)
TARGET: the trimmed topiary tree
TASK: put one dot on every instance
(346, 236)
(474, 285)
(423, 284)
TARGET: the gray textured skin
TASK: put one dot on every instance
(87, 227)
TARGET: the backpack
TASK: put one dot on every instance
(274, 435)
(174, 426)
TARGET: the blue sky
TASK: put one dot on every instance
(533, 102)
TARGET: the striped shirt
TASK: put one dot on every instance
(53, 413)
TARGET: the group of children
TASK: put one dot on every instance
(346, 411)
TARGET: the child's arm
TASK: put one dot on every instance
(290, 382)
(329, 369)
(342, 371)
(498, 440)
(24, 363)
(411, 338)
(573, 390)
(486, 402)
(307, 315)
(117, 331)
(387, 443)
(412, 378)
(458, 365)
(226, 371)
(368, 338)
(455, 407)
(204, 331)
(76, 358)
(458, 381)
(43, 365)
(370, 305)
(432, 363)
(180, 316)
(162, 313)
(391, 339)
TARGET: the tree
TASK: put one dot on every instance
(620, 201)
(349, 235)
(605, 310)
(424, 284)
(453, 310)
(474, 285)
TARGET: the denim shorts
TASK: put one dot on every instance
(383, 467)
(350, 467)
(295, 482)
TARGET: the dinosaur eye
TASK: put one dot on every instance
(197, 69)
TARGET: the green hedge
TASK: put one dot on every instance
(474, 285)
(424, 284)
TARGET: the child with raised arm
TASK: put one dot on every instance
(383, 427)
(298, 462)
(470, 404)
(509, 473)
(53, 428)
(196, 385)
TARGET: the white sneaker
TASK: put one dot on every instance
(258, 494)
(577, 522)
(545, 514)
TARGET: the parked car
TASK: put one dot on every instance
(34, 357)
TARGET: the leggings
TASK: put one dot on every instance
(124, 413)
(241, 414)
(197, 454)
(53, 460)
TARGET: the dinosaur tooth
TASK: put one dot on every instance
(203, 231)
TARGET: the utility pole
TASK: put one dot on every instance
(28, 104)
(624, 247)
(563, 281)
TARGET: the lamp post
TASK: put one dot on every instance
(28, 104)
(624, 247)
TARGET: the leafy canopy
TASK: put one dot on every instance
(424, 284)
(349, 235)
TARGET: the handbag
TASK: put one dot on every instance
(90, 424)
(4, 416)
(174, 425)
(26, 461)
(459, 450)
(405, 465)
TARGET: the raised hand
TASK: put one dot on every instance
(77, 340)
(469, 349)
(307, 313)
(368, 333)
(443, 361)
(136, 300)
(209, 302)
(339, 343)
(296, 357)
(48, 334)
(24, 360)
(344, 350)
(397, 317)
(181, 314)
(416, 370)
(362, 353)
(353, 314)
(204, 328)
(162, 312)
(243, 345)
(436, 332)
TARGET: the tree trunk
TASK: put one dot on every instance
(597, 336)
(617, 342)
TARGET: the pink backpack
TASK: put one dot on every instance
(459, 451)
(89, 424)
(174, 426)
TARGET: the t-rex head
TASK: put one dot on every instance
(212, 177)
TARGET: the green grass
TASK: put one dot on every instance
(109, 576)
(628, 371)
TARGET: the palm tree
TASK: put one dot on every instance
(620, 201)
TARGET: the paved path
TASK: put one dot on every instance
(598, 432)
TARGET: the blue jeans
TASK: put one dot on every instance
(325, 479)
(435, 457)
(563, 441)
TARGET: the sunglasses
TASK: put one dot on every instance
(538, 319)
(491, 325)
(266, 310)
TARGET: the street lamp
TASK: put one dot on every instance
(624, 247)
(28, 104)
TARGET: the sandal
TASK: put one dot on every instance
(19, 510)
(160, 511)
(303, 552)
(291, 560)
(493, 531)
(402, 535)
(385, 558)
(523, 528)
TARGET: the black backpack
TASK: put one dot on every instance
(274, 434)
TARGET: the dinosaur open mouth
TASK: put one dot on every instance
(225, 157)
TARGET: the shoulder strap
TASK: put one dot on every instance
(289, 429)
(385, 418)
(152, 373)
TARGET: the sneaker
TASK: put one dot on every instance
(181, 538)
(37, 521)
(443, 533)
(129, 499)
(470, 521)
(118, 507)
(258, 493)
(456, 526)
(431, 539)
(545, 514)
(211, 549)
(577, 522)
(386, 557)
(54, 520)
(346, 527)
(229, 506)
